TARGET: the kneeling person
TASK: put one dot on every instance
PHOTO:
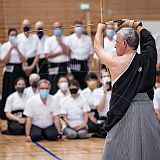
(14, 107)
(42, 119)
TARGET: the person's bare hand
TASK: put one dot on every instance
(105, 88)
(22, 120)
(101, 27)
(48, 55)
(27, 69)
(28, 139)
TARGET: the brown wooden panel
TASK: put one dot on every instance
(12, 12)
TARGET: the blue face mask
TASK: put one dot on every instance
(44, 93)
(13, 39)
(78, 30)
(110, 32)
(57, 32)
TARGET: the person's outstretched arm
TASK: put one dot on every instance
(105, 58)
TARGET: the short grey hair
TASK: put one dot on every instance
(44, 81)
(131, 36)
(34, 77)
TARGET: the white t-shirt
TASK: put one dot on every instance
(41, 43)
(30, 44)
(81, 48)
(41, 114)
(58, 98)
(88, 96)
(15, 102)
(29, 92)
(109, 46)
(156, 100)
(51, 45)
(98, 94)
(14, 58)
(75, 108)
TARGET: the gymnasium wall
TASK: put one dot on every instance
(12, 12)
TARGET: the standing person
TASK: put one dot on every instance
(58, 54)
(13, 57)
(30, 43)
(14, 108)
(132, 125)
(81, 53)
(42, 63)
(109, 40)
(75, 113)
(42, 118)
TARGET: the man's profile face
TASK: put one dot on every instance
(120, 46)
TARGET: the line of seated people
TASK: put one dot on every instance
(71, 111)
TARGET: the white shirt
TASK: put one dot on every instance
(109, 46)
(41, 43)
(58, 98)
(15, 102)
(157, 39)
(0, 47)
(51, 45)
(41, 114)
(75, 108)
(88, 96)
(156, 100)
(14, 58)
(30, 44)
(29, 92)
(98, 94)
(81, 48)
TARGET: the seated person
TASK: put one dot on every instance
(102, 102)
(62, 92)
(42, 118)
(156, 102)
(87, 93)
(33, 81)
(75, 113)
(14, 107)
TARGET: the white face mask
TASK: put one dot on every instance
(63, 86)
(105, 80)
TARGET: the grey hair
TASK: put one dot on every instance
(34, 76)
(44, 81)
(131, 36)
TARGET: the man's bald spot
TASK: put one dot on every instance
(26, 22)
(39, 24)
(110, 25)
(57, 25)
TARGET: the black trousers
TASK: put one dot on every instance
(30, 61)
(15, 128)
(49, 133)
(92, 127)
(62, 69)
(8, 86)
(43, 68)
(80, 71)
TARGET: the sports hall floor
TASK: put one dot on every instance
(15, 148)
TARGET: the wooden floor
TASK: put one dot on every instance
(15, 148)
